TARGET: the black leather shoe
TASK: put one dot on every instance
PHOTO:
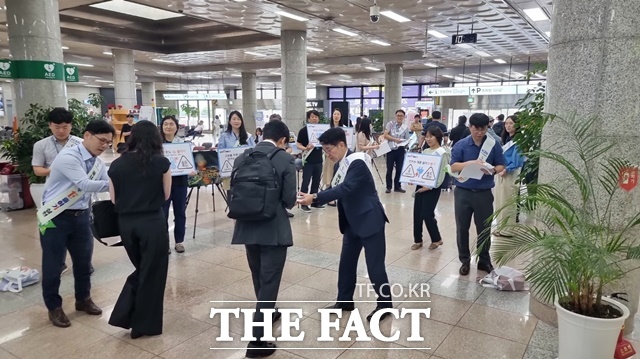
(464, 269)
(260, 349)
(388, 190)
(384, 315)
(344, 306)
(485, 267)
(88, 306)
(58, 318)
(135, 334)
(400, 190)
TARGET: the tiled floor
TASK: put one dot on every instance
(467, 320)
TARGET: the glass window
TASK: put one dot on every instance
(408, 103)
(258, 94)
(410, 90)
(371, 92)
(238, 94)
(370, 104)
(355, 109)
(336, 92)
(311, 93)
(268, 94)
(279, 93)
(354, 92)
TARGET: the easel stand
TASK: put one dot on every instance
(376, 167)
(213, 197)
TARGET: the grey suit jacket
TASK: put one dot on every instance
(276, 232)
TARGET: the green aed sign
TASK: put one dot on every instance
(39, 70)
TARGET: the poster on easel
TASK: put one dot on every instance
(314, 131)
(226, 158)
(146, 114)
(421, 169)
(181, 158)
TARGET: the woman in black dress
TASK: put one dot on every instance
(140, 183)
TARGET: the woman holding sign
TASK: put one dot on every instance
(327, 165)
(140, 183)
(234, 136)
(169, 126)
(425, 198)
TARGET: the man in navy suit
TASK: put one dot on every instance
(361, 218)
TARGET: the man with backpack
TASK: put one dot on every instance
(263, 187)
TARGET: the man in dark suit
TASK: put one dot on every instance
(361, 219)
(266, 242)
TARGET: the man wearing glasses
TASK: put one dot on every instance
(473, 197)
(76, 173)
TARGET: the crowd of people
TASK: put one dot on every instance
(142, 189)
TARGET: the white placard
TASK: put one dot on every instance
(494, 90)
(146, 114)
(447, 91)
(421, 169)
(383, 149)
(181, 157)
(349, 132)
(226, 157)
(314, 131)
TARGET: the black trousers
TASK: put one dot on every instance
(311, 172)
(424, 210)
(266, 264)
(479, 204)
(395, 157)
(374, 254)
(146, 239)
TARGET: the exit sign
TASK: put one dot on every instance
(464, 39)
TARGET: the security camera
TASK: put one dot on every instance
(374, 13)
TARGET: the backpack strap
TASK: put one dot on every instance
(273, 152)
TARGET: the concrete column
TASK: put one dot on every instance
(149, 94)
(392, 91)
(34, 35)
(124, 77)
(593, 70)
(294, 78)
(249, 104)
(321, 94)
(7, 99)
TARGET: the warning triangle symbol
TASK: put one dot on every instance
(184, 163)
(409, 172)
(429, 174)
(227, 167)
(314, 138)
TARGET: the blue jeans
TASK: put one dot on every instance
(72, 233)
(179, 200)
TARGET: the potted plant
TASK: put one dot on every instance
(577, 247)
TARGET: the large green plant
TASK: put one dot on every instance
(190, 111)
(34, 126)
(170, 111)
(576, 245)
(531, 121)
(377, 120)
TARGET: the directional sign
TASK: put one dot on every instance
(494, 90)
(464, 39)
(448, 91)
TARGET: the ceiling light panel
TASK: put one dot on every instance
(437, 34)
(255, 53)
(134, 9)
(381, 43)
(536, 14)
(345, 32)
(291, 16)
(393, 16)
(500, 61)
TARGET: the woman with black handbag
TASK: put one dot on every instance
(140, 183)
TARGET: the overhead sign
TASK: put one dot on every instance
(448, 91)
(464, 39)
(494, 90)
(71, 73)
(194, 96)
(41, 70)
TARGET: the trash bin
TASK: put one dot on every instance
(11, 192)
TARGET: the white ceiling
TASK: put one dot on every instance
(504, 32)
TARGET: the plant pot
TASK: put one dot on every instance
(37, 190)
(583, 337)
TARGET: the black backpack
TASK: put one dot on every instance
(255, 193)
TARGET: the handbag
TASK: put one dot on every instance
(505, 279)
(13, 280)
(104, 222)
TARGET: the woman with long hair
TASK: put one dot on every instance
(364, 140)
(327, 164)
(234, 136)
(506, 181)
(168, 130)
(139, 184)
(425, 198)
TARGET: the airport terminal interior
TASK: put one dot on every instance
(364, 60)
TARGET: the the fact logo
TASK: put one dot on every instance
(49, 74)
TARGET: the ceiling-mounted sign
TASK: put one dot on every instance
(39, 70)
(71, 73)
(494, 90)
(464, 39)
(194, 96)
(447, 91)
(7, 69)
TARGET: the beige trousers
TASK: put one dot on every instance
(506, 189)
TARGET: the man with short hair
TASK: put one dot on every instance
(266, 242)
(395, 133)
(75, 174)
(473, 197)
(459, 132)
(46, 150)
(498, 127)
(361, 218)
(435, 121)
(311, 158)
